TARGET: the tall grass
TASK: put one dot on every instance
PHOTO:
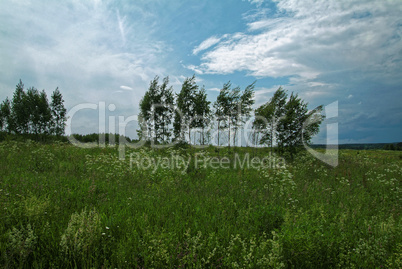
(63, 206)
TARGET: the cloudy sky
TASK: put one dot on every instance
(348, 51)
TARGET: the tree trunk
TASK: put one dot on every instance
(229, 133)
(219, 124)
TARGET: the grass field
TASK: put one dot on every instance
(63, 206)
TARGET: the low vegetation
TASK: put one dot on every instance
(63, 206)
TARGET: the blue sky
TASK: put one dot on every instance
(107, 51)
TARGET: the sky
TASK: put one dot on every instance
(326, 51)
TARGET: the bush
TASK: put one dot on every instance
(22, 243)
(82, 236)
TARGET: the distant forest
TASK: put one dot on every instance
(364, 146)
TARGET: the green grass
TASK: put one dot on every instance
(63, 206)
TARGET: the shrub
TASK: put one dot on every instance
(81, 237)
(22, 243)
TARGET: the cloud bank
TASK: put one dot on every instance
(307, 39)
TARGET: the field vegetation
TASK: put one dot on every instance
(64, 206)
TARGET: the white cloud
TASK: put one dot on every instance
(262, 91)
(127, 88)
(194, 68)
(316, 84)
(307, 39)
(256, 2)
(262, 95)
(206, 44)
(121, 28)
(78, 47)
(265, 24)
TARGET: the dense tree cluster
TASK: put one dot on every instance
(94, 138)
(29, 112)
(156, 111)
(283, 122)
(286, 122)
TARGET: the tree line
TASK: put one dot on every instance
(30, 113)
(107, 138)
(284, 121)
(188, 116)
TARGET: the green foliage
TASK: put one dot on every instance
(111, 139)
(286, 123)
(156, 112)
(164, 112)
(29, 113)
(221, 107)
(39, 115)
(232, 109)
(35, 207)
(240, 107)
(58, 113)
(186, 109)
(394, 146)
(5, 116)
(20, 110)
(82, 236)
(22, 243)
(202, 114)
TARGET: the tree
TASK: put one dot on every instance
(5, 115)
(32, 102)
(298, 124)
(311, 125)
(184, 115)
(58, 112)
(233, 108)
(244, 108)
(45, 114)
(178, 134)
(2, 120)
(40, 115)
(202, 112)
(221, 106)
(164, 111)
(291, 125)
(289, 121)
(260, 124)
(232, 111)
(146, 116)
(268, 116)
(156, 109)
(19, 110)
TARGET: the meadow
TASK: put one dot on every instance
(67, 207)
